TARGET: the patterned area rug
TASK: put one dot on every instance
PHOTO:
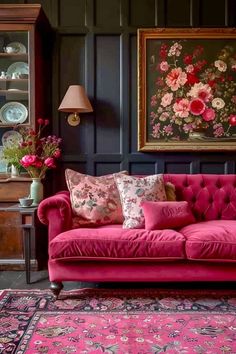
(118, 321)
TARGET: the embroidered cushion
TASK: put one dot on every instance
(134, 190)
(167, 215)
(95, 200)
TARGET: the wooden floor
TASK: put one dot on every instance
(39, 280)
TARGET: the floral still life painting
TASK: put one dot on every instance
(187, 89)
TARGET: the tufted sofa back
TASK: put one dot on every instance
(211, 197)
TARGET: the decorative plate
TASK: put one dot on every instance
(16, 47)
(13, 113)
(11, 137)
(18, 68)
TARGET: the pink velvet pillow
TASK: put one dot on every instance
(166, 215)
(94, 200)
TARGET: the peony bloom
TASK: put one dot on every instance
(209, 114)
(197, 106)
(167, 99)
(181, 108)
(164, 66)
(221, 65)
(202, 91)
(218, 103)
(49, 162)
(176, 78)
(28, 160)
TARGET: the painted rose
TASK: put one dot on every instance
(218, 103)
(181, 108)
(176, 78)
(167, 99)
(164, 66)
(221, 65)
(232, 120)
(208, 115)
(197, 106)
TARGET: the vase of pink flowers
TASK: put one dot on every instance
(36, 154)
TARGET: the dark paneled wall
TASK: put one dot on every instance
(95, 46)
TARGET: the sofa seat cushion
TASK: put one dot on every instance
(211, 240)
(116, 243)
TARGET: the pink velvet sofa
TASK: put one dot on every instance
(203, 251)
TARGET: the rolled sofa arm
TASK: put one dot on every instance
(55, 211)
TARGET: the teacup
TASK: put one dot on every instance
(26, 201)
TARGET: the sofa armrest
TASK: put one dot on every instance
(56, 212)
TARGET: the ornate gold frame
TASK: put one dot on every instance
(144, 35)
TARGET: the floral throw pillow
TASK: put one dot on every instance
(95, 200)
(135, 190)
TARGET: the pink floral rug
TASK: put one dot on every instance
(118, 321)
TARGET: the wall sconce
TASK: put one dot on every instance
(75, 101)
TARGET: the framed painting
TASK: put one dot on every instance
(186, 89)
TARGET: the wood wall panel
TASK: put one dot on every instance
(71, 13)
(108, 99)
(142, 13)
(142, 168)
(107, 13)
(72, 71)
(178, 167)
(212, 13)
(213, 167)
(177, 13)
(104, 168)
(231, 13)
(72, 61)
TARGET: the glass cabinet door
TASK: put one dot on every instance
(14, 78)
(14, 85)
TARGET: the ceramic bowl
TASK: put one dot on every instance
(26, 202)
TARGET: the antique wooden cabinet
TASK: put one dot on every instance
(25, 95)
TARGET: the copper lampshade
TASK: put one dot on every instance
(76, 101)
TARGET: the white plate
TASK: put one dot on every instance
(19, 68)
(13, 113)
(17, 47)
(11, 137)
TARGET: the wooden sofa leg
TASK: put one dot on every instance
(56, 287)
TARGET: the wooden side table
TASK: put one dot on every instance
(29, 222)
(31, 228)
